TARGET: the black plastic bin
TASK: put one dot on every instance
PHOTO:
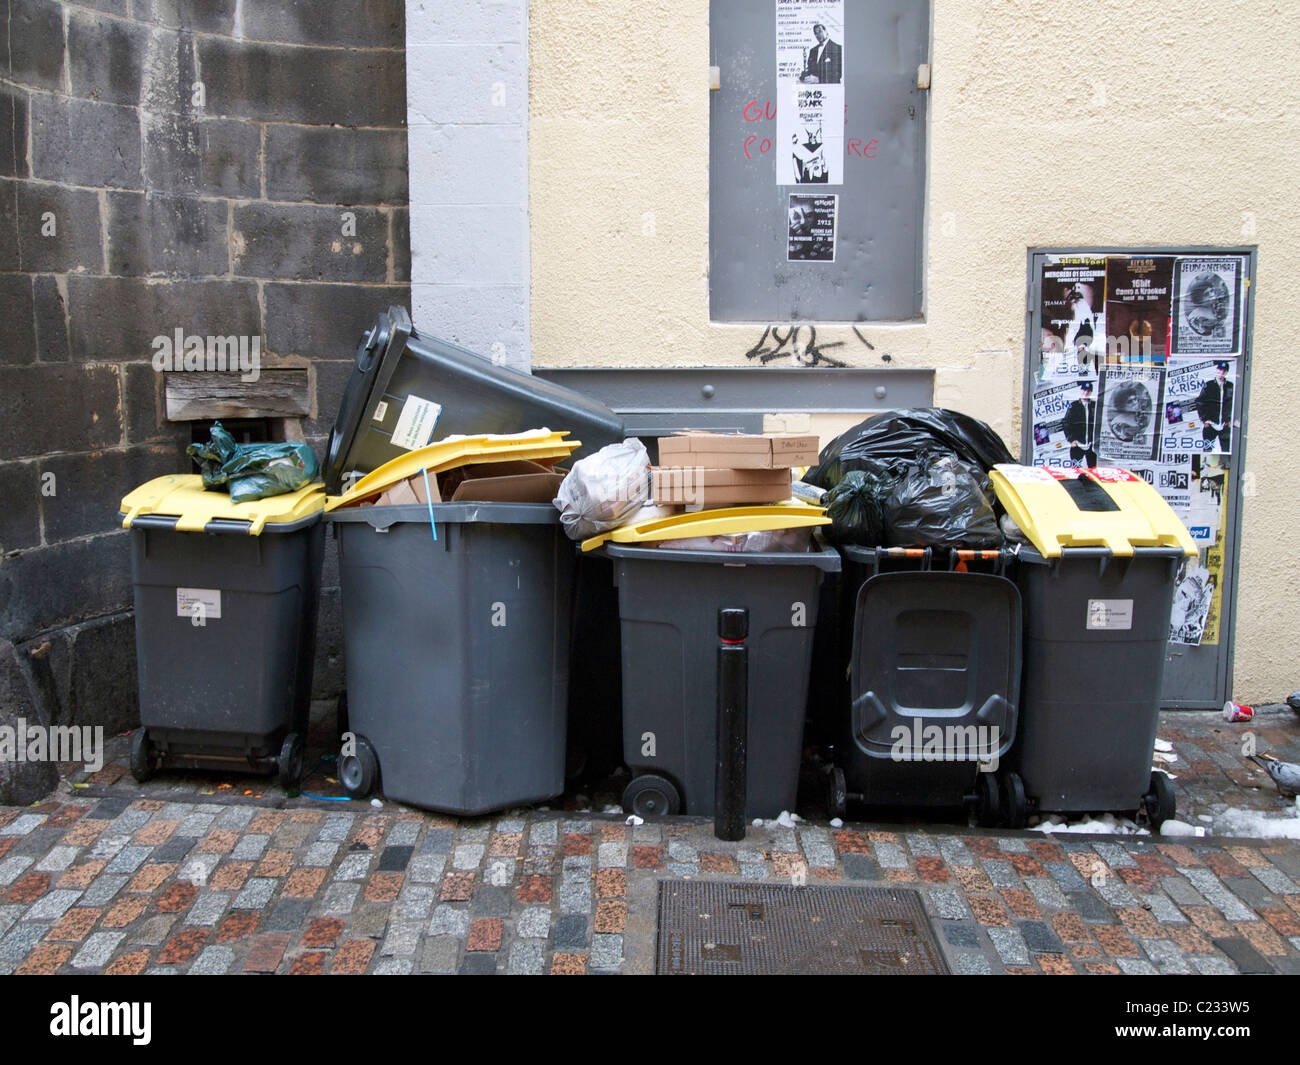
(1092, 684)
(669, 603)
(934, 664)
(1098, 584)
(457, 652)
(407, 390)
(226, 598)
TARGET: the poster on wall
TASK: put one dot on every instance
(1072, 290)
(811, 228)
(1130, 409)
(810, 92)
(1138, 305)
(1199, 405)
(1207, 307)
(1066, 420)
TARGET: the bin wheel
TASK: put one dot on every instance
(1015, 807)
(141, 756)
(837, 797)
(290, 762)
(359, 772)
(1159, 804)
(988, 803)
(651, 796)
(341, 714)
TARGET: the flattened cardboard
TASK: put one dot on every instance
(738, 450)
(708, 487)
(504, 482)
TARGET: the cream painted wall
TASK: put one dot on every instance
(1050, 124)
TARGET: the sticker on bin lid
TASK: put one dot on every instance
(1024, 474)
(198, 604)
(416, 423)
(381, 410)
(1111, 474)
(1110, 614)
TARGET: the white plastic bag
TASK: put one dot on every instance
(746, 543)
(604, 490)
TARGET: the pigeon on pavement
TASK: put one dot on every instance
(1286, 775)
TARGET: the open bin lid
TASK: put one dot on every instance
(534, 445)
(179, 501)
(1104, 507)
(394, 361)
(723, 521)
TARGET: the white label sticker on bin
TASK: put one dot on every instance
(416, 423)
(202, 603)
(1024, 474)
(1110, 613)
(381, 410)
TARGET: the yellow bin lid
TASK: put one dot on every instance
(724, 521)
(182, 496)
(534, 445)
(1102, 507)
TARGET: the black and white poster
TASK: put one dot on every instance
(812, 228)
(1073, 291)
(810, 92)
(1130, 414)
(1200, 406)
(1066, 424)
(1208, 305)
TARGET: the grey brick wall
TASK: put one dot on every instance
(169, 164)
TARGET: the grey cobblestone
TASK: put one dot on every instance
(1169, 959)
(1010, 945)
(58, 859)
(213, 961)
(955, 852)
(1163, 910)
(353, 867)
(947, 904)
(103, 889)
(1047, 892)
(426, 868)
(207, 909)
(1000, 873)
(52, 905)
(249, 848)
(526, 959)
(255, 895)
(1136, 967)
(1115, 856)
(533, 923)
(339, 899)
(891, 856)
(320, 854)
(97, 949)
(335, 829)
(1013, 845)
(1219, 896)
(606, 952)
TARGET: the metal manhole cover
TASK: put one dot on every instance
(718, 928)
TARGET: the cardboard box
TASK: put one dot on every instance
(738, 451)
(505, 482)
(699, 486)
(409, 491)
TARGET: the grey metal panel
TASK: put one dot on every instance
(877, 275)
(739, 390)
(1196, 678)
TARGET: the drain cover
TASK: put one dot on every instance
(716, 928)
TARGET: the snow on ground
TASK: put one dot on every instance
(1254, 824)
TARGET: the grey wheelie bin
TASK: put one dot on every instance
(934, 681)
(669, 605)
(226, 597)
(407, 390)
(1098, 584)
(456, 622)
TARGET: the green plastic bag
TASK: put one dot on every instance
(856, 507)
(252, 471)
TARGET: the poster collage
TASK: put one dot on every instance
(1138, 368)
(810, 122)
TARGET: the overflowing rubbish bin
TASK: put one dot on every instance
(407, 389)
(670, 605)
(934, 660)
(456, 621)
(225, 615)
(1098, 583)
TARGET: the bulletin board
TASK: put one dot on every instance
(1140, 358)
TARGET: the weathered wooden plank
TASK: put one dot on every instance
(277, 393)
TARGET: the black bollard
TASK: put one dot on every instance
(733, 725)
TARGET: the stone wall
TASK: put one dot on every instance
(217, 166)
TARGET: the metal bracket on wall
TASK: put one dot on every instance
(657, 402)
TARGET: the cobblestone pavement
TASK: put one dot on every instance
(207, 874)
